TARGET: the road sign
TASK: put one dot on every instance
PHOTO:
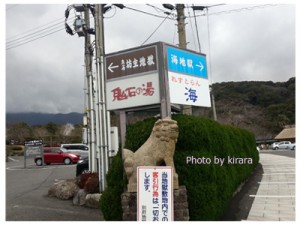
(133, 91)
(187, 77)
(188, 90)
(131, 62)
(185, 62)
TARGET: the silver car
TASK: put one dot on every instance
(81, 149)
(281, 145)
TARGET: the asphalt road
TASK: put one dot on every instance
(282, 152)
(27, 189)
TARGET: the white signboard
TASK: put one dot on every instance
(188, 80)
(132, 91)
(188, 90)
(155, 193)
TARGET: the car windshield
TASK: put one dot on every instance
(63, 150)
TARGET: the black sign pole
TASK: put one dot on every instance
(25, 150)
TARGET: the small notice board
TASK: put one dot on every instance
(155, 193)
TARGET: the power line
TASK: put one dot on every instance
(9, 7)
(239, 10)
(147, 13)
(197, 32)
(35, 33)
(27, 37)
(192, 29)
(38, 27)
(155, 30)
(34, 39)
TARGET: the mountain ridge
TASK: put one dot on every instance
(33, 118)
(262, 107)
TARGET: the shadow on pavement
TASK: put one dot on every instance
(240, 205)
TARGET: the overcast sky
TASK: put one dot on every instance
(247, 43)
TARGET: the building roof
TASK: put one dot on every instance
(287, 133)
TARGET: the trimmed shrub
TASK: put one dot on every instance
(110, 202)
(17, 150)
(209, 186)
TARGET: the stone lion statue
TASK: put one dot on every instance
(159, 148)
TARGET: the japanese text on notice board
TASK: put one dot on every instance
(155, 194)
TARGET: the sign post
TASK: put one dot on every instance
(157, 75)
(33, 148)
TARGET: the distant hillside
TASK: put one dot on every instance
(261, 107)
(44, 118)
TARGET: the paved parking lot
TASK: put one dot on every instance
(27, 189)
(27, 200)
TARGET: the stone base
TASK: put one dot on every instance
(181, 209)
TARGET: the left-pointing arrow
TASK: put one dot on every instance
(111, 67)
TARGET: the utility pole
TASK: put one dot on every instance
(98, 118)
(89, 80)
(181, 25)
(186, 109)
(102, 116)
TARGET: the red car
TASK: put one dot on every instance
(56, 155)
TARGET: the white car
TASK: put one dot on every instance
(281, 145)
(81, 149)
(292, 146)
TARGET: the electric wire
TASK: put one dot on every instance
(155, 30)
(156, 8)
(192, 29)
(34, 38)
(209, 50)
(26, 37)
(11, 7)
(36, 33)
(36, 28)
(239, 10)
(197, 32)
(147, 13)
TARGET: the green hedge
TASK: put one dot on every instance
(210, 186)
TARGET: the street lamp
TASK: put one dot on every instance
(169, 6)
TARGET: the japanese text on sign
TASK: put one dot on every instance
(134, 63)
(189, 90)
(155, 194)
(133, 92)
(123, 94)
(186, 62)
(187, 80)
(131, 62)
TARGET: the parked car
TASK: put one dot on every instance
(281, 145)
(292, 146)
(81, 149)
(82, 165)
(56, 155)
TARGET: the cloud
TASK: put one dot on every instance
(47, 74)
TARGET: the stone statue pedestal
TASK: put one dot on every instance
(181, 210)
